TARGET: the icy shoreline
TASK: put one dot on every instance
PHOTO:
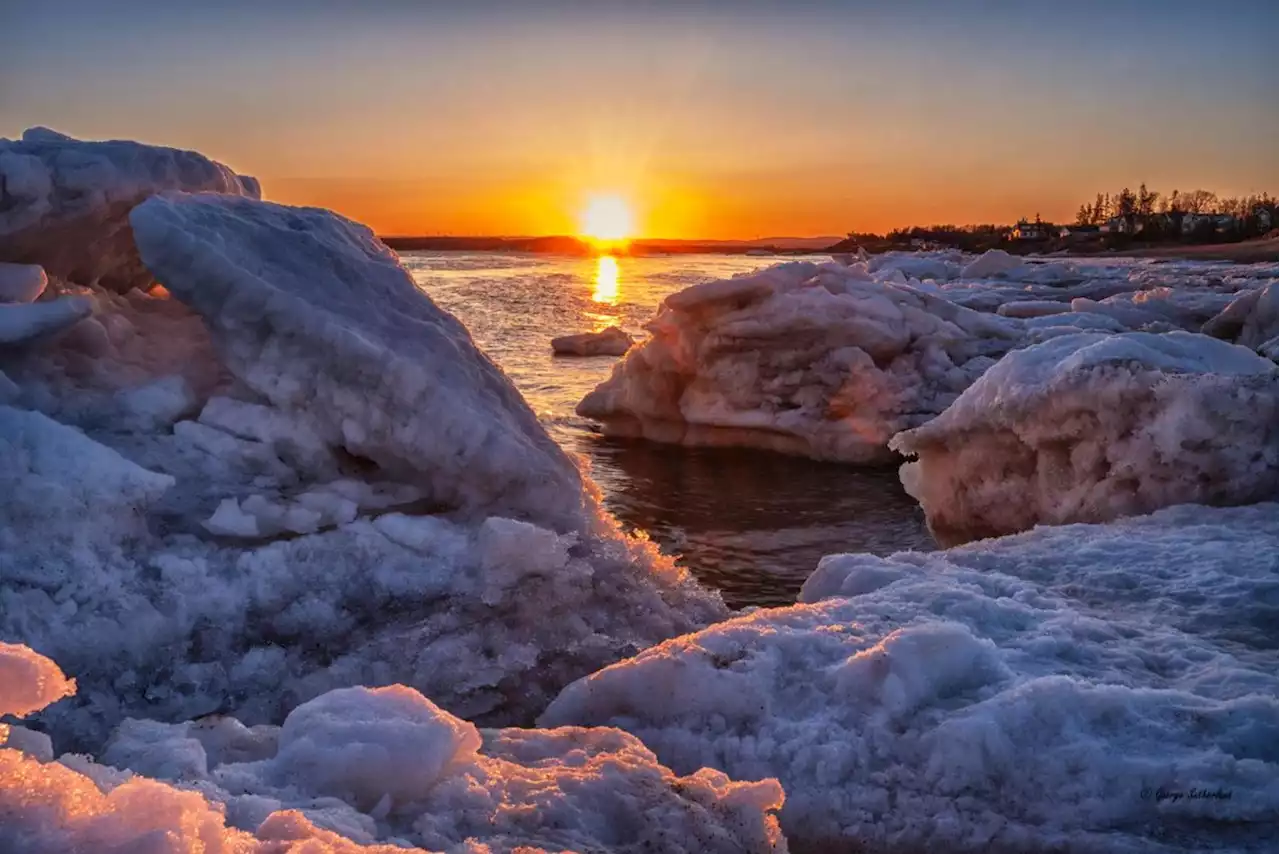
(250, 467)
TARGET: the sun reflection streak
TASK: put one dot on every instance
(606, 280)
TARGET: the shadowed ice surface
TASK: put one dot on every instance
(750, 523)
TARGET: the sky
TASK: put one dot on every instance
(714, 120)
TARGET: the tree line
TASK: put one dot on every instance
(1145, 205)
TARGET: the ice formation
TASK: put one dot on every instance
(1091, 427)
(307, 478)
(992, 263)
(21, 282)
(1250, 320)
(1032, 693)
(608, 342)
(305, 307)
(64, 203)
(354, 768)
(25, 322)
(826, 361)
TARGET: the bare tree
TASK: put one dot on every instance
(1199, 201)
(1146, 201)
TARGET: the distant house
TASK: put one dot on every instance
(1121, 225)
(1079, 232)
(1218, 221)
(1029, 231)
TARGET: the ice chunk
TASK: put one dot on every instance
(22, 282)
(29, 681)
(1026, 694)
(72, 488)
(1032, 308)
(311, 311)
(1088, 427)
(939, 266)
(157, 404)
(291, 438)
(404, 772)
(66, 202)
(609, 342)
(802, 358)
(364, 745)
(992, 263)
(22, 323)
(106, 563)
(1250, 320)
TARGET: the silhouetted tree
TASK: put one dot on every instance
(1199, 201)
(1146, 201)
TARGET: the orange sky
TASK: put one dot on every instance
(782, 119)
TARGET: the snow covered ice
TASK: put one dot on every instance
(831, 360)
(286, 472)
(825, 361)
(1090, 427)
(356, 767)
(1015, 695)
(298, 546)
(21, 282)
(607, 342)
(321, 308)
(65, 202)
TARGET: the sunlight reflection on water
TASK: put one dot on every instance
(606, 280)
(749, 523)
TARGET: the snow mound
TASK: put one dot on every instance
(309, 310)
(1089, 427)
(1046, 692)
(356, 768)
(816, 360)
(66, 202)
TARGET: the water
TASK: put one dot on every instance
(750, 523)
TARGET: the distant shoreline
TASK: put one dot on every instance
(1242, 252)
(562, 245)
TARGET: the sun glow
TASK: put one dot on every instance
(607, 217)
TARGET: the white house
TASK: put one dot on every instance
(1028, 231)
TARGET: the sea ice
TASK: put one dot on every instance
(1091, 427)
(1250, 320)
(310, 311)
(66, 202)
(1030, 693)
(817, 360)
(609, 342)
(357, 767)
(201, 536)
(992, 263)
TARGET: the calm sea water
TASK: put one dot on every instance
(750, 523)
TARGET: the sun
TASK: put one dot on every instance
(606, 217)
